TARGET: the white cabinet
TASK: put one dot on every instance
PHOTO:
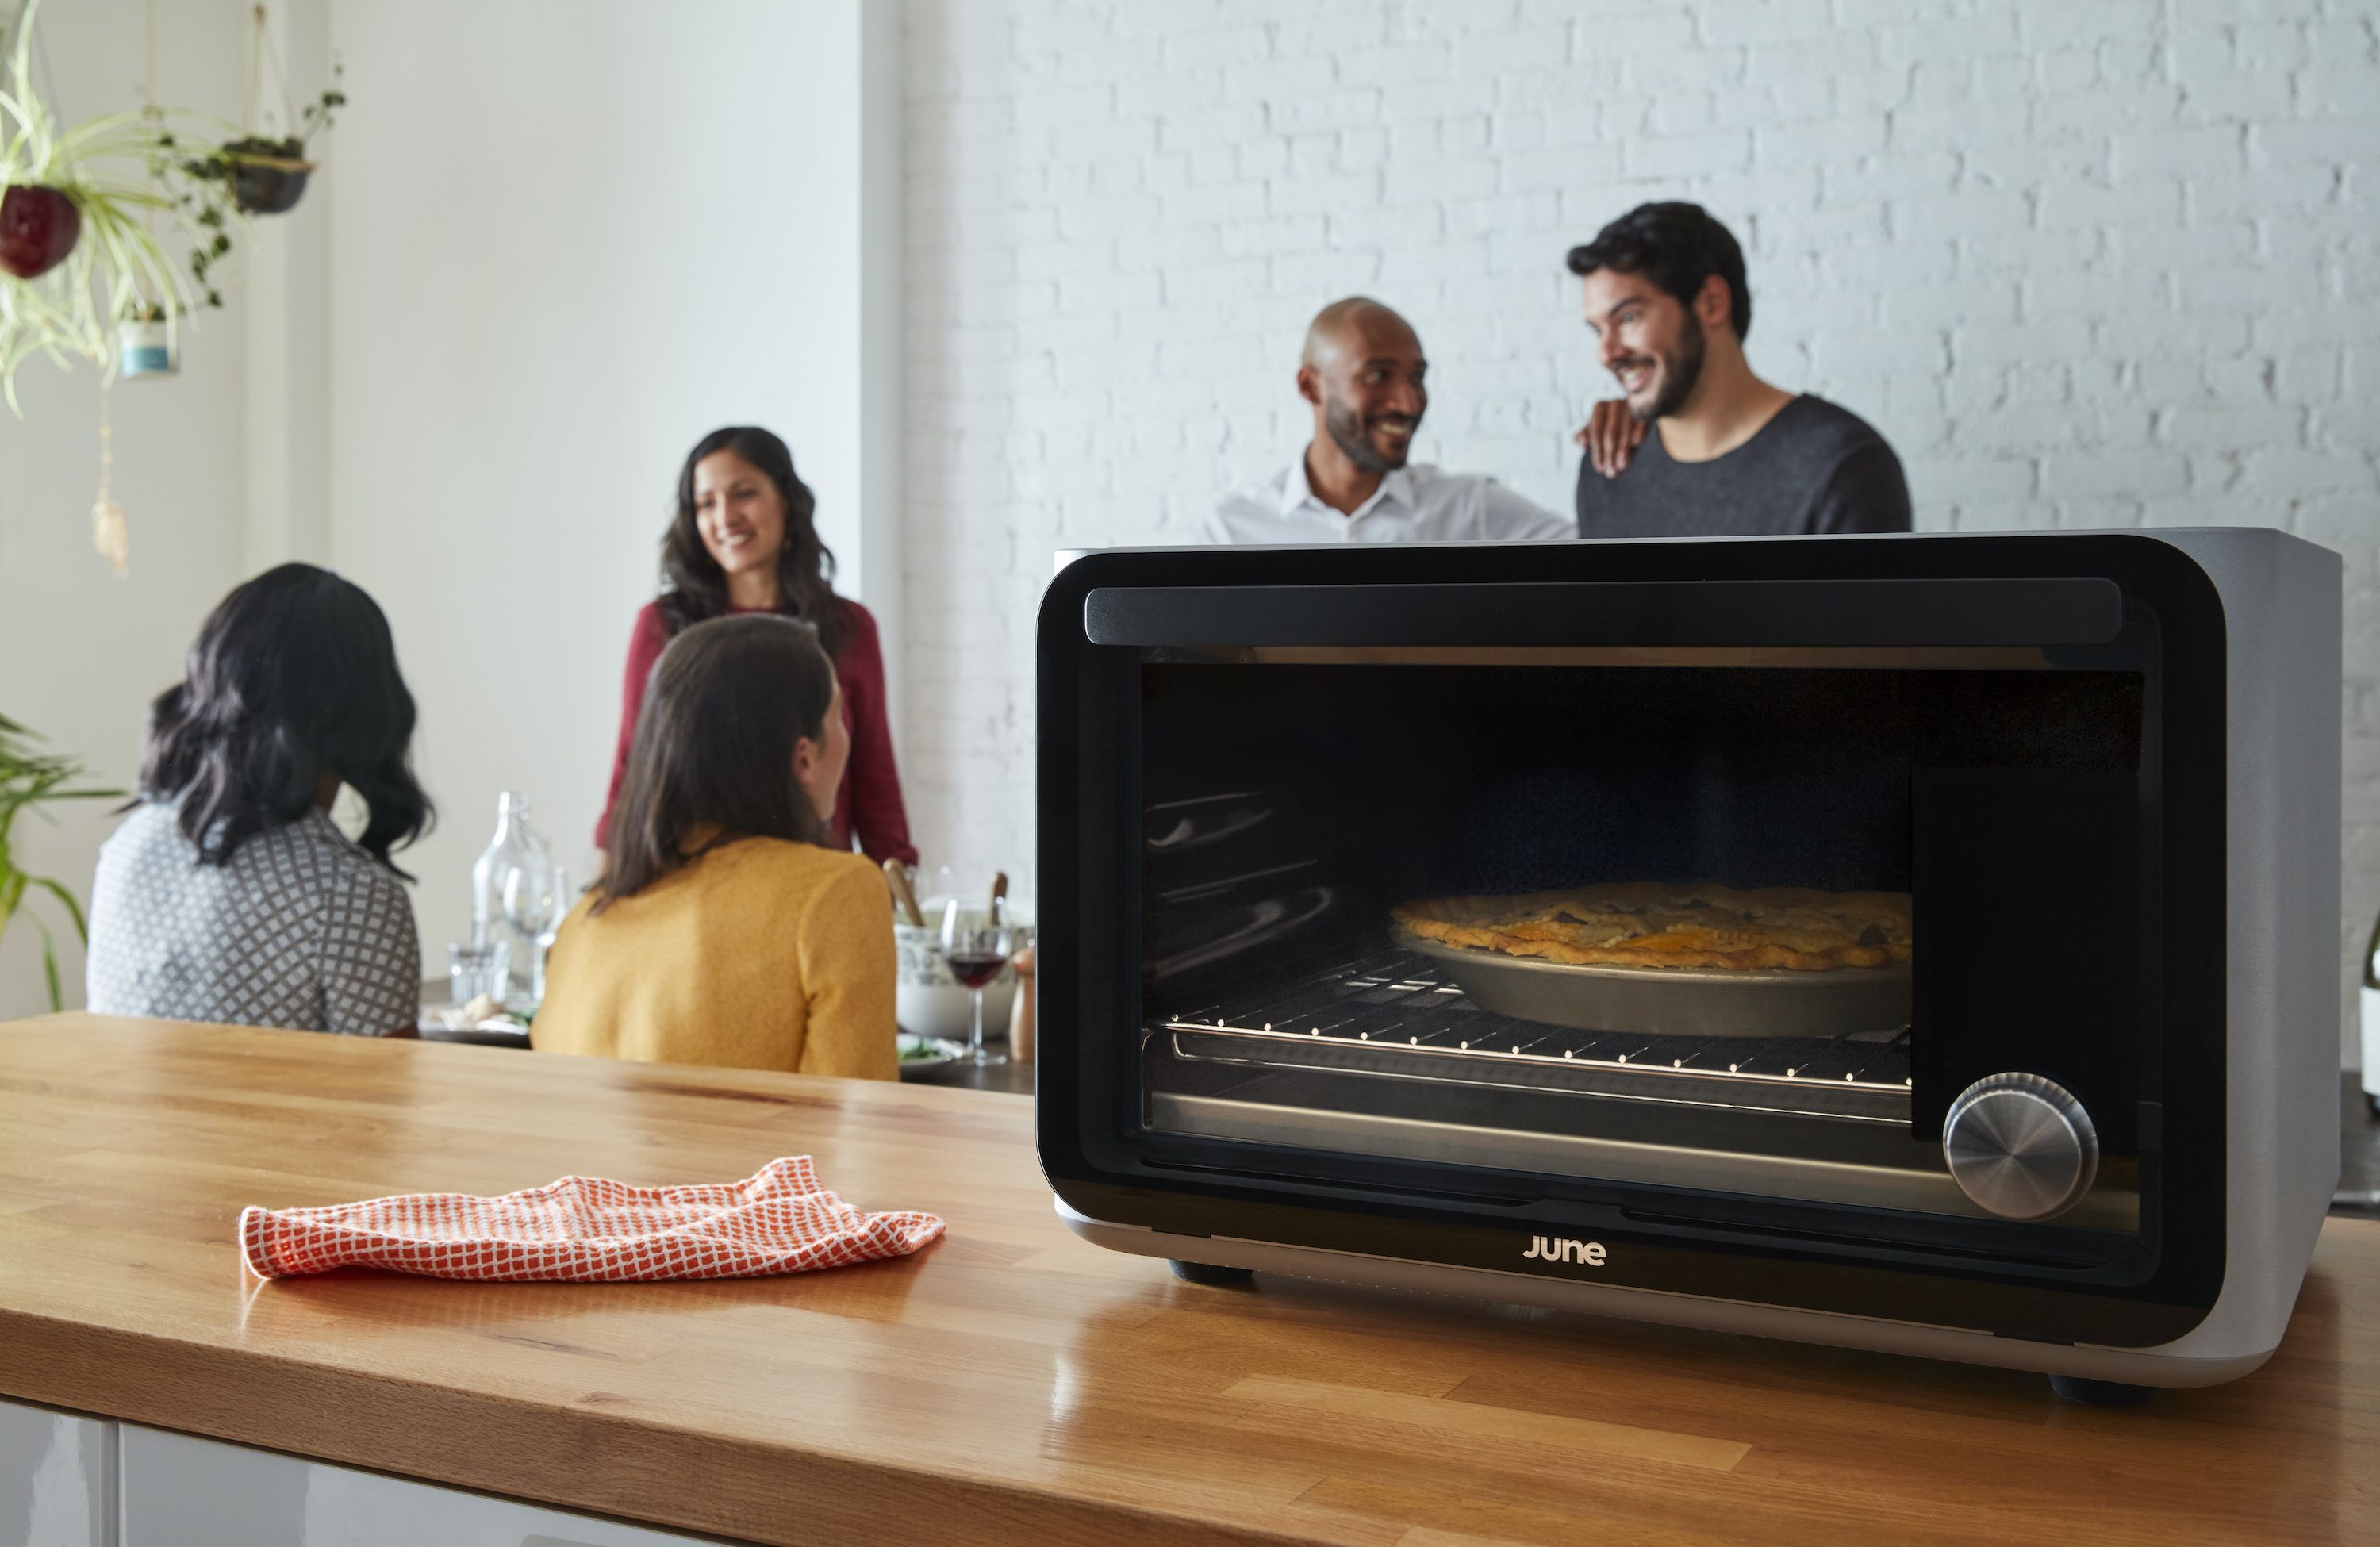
(72, 1482)
(57, 1478)
(181, 1492)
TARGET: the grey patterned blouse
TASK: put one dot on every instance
(302, 928)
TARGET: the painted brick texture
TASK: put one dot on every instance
(2086, 264)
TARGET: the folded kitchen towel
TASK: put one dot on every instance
(585, 1230)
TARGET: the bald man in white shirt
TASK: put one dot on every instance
(1364, 372)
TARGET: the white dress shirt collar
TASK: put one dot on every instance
(1396, 487)
(1416, 503)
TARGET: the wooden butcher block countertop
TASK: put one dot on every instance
(1010, 1384)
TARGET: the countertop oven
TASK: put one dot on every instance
(1918, 942)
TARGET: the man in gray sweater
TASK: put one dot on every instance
(1729, 454)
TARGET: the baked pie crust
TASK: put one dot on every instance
(1646, 924)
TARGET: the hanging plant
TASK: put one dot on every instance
(74, 241)
(83, 274)
(267, 174)
(203, 203)
(39, 227)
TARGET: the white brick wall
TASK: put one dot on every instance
(2086, 262)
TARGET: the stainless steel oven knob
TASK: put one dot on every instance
(2021, 1146)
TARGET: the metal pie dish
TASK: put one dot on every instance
(1676, 1001)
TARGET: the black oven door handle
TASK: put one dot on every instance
(2046, 611)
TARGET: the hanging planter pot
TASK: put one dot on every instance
(37, 228)
(145, 345)
(265, 173)
(268, 176)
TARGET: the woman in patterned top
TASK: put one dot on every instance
(228, 895)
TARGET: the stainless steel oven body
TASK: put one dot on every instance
(2083, 1125)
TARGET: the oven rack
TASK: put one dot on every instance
(1394, 1013)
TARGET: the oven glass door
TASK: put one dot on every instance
(1739, 922)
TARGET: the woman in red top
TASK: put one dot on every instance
(743, 542)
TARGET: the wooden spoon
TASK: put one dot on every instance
(896, 876)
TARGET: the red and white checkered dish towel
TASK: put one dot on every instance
(585, 1230)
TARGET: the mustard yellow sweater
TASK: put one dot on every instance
(761, 954)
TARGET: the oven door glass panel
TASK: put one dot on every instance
(1297, 798)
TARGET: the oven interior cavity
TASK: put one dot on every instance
(1733, 923)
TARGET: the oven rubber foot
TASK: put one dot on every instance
(2100, 1393)
(1206, 1273)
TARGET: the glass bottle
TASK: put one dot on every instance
(535, 906)
(516, 847)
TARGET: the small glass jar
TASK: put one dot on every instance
(476, 969)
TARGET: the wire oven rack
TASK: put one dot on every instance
(1393, 1013)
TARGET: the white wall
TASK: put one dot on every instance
(565, 240)
(82, 652)
(2084, 263)
(2097, 264)
(550, 244)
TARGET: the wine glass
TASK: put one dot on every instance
(536, 896)
(976, 943)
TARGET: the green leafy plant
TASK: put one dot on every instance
(29, 780)
(109, 170)
(204, 199)
(262, 175)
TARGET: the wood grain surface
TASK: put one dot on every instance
(1011, 1385)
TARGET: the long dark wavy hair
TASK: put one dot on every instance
(714, 744)
(696, 588)
(294, 677)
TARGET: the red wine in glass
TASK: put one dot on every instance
(975, 969)
(976, 943)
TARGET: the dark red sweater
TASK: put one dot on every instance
(869, 800)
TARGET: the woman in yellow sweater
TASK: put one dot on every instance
(724, 930)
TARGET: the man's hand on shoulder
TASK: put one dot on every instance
(1611, 436)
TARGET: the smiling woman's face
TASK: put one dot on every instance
(739, 514)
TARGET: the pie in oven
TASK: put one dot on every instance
(1646, 923)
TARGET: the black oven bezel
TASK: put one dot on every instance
(1088, 807)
